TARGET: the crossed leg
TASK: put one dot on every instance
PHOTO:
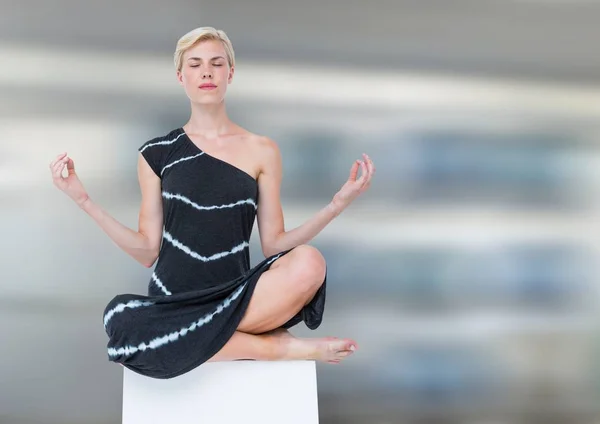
(281, 292)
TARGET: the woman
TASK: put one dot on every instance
(200, 188)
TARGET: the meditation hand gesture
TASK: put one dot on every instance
(70, 185)
(354, 186)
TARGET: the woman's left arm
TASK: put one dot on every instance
(273, 236)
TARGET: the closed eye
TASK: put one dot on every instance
(215, 65)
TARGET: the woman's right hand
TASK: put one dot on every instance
(70, 185)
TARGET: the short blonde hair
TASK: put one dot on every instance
(198, 35)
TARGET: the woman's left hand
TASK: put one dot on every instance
(353, 186)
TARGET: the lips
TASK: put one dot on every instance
(207, 86)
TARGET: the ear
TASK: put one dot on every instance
(231, 72)
(179, 75)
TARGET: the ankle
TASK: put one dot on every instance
(275, 348)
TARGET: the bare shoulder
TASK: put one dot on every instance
(269, 155)
(264, 150)
(258, 141)
(265, 144)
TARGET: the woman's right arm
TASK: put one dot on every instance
(144, 244)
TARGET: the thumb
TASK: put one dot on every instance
(70, 166)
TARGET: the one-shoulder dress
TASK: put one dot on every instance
(202, 282)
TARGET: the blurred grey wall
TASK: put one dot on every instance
(467, 273)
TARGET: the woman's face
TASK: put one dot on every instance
(205, 72)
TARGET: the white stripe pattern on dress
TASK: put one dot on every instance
(180, 160)
(160, 143)
(174, 336)
(160, 284)
(122, 306)
(193, 204)
(167, 236)
(171, 337)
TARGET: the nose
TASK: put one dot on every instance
(207, 74)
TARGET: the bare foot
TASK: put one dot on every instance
(328, 349)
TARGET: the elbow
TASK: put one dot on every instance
(271, 246)
(148, 264)
(150, 260)
(269, 251)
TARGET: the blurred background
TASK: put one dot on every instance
(467, 273)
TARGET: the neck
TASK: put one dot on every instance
(208, 121)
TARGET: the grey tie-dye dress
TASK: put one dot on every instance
(202, 282)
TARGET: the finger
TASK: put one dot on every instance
(371, 165)
(58, 158)
(353, 171)
(64, 160)
(57, 172)
(371, 169)
(58, 163)
(370, 177)
(365, 172)
(62, 155)
(55, 168)
(53, 163)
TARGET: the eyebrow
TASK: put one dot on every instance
(212, 58)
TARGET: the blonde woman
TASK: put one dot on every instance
(202, 186)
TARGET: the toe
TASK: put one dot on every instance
(350, 345)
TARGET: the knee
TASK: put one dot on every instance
(309, 267)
